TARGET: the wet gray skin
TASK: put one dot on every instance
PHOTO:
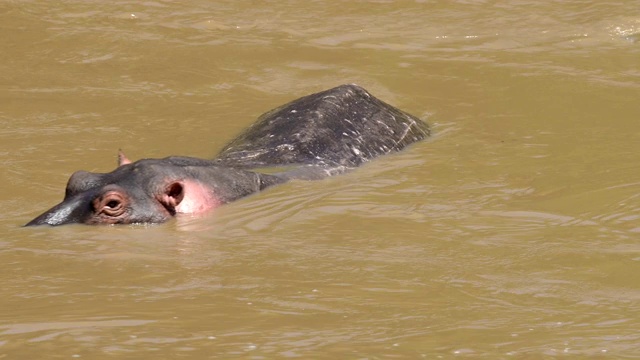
(319, 135)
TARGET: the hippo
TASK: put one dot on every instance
(311, 138)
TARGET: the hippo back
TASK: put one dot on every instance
(340, 127)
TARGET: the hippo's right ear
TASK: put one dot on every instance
(172, 196)
(122, 158)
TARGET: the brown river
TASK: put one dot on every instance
(514, 232)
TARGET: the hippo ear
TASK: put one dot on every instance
(172, 196)
(122, 158)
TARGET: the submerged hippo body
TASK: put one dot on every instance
(317, 136)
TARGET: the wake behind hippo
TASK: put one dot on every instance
(318, 135)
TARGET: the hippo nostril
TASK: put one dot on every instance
(82, 181)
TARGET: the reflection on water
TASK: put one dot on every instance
(512, 232)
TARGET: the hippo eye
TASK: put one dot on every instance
(110, 204)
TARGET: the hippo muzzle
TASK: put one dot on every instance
(72, 210)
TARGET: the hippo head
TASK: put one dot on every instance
(149, 191)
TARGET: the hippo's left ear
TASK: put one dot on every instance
(172, 196)
(122, 158)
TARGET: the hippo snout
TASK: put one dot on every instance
(71, 210)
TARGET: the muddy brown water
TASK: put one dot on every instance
(514, 232)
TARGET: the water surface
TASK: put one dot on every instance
(513, 232)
